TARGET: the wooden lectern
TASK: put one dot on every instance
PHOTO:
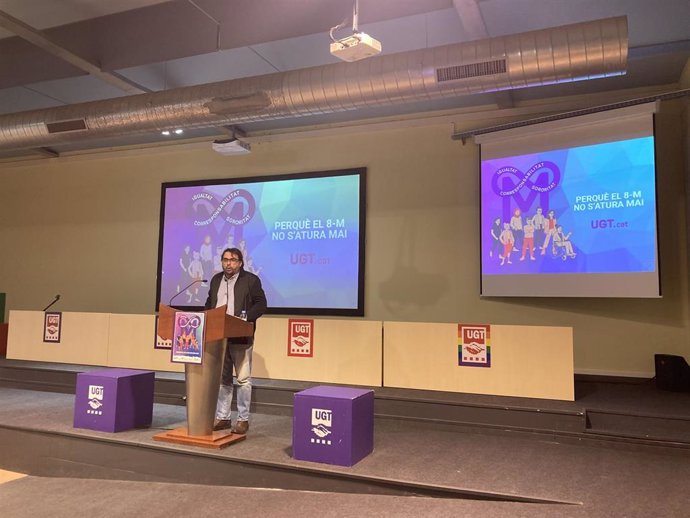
(202, 381)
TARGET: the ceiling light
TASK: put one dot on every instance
(178, 131)
(166, 133)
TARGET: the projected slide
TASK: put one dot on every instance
(299, 233)
(582, 210)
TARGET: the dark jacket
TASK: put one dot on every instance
(249, 296)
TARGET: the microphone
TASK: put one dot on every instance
(183, 290)
(57, 297)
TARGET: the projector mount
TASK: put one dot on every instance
(357, 46)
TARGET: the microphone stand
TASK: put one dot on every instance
(57, 297)
(185, 289)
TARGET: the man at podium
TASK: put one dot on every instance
(241, 291)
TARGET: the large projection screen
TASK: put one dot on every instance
(568, 207)
(303, 234)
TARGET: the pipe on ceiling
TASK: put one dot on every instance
(568, 53)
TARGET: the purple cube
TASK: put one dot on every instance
(112, 400)
(333, 425)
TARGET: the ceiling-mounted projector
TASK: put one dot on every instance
(230, 147)
(356, 47)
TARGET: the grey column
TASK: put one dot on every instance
(203, 383)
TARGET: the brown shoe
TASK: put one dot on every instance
(240, 427)
(221, 424)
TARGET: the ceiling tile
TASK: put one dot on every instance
(77, 89)
(43, 14)
(206, 68)
(19, 99)
(295, 53)
(216, 66)
(444, 28)
(151, 76)
(649, 21)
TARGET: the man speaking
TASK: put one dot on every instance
(241, 291)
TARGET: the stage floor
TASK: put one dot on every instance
(464, 464)
(632, 410)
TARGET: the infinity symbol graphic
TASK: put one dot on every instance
(188, 322)
(227, 204)
(523, 179)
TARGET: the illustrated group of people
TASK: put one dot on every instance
(196, 265)
(187, 342)
(526, 236)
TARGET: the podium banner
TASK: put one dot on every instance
(188, 337)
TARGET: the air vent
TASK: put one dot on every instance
(64, 126)
(485, 68)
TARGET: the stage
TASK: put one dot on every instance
(621, 449)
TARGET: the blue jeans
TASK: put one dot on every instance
(239, 357)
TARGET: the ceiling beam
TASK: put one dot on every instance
(471, 19)
(42, 41)
(684, 79)
(46, 152)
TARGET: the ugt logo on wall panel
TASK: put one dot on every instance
(474, 349)
(300, 337)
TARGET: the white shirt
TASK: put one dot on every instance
(539, 221)
(226, 294)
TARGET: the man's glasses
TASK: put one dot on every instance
(231, 260)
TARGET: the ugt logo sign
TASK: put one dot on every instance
(474, 346)
(321, 423)
(475, 335)
(51, 327)
(96, 392)
(321, 416)
(95, 399)
(300, 337)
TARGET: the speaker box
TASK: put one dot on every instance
(672, 373)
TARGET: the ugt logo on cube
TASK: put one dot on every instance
(95, 399)
(321, 423)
